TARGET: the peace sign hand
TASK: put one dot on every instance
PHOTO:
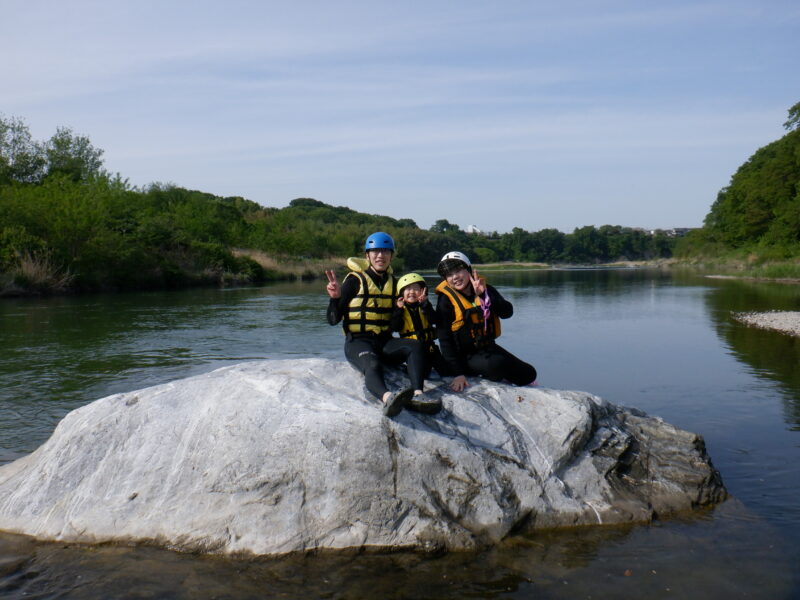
(477, 285)
(333, 288)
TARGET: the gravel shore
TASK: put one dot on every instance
(780, 320)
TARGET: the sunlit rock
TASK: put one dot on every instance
(278, 456)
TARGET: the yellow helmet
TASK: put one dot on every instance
(408, 279)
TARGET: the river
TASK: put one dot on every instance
(658, 341)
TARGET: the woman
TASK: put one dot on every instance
(469, 312)
(364, 303)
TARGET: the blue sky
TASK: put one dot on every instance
(499, 114)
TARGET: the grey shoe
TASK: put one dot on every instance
(397, 402)
(422, 404)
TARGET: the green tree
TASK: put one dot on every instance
(72, 155)
(21, 158)
(794, 118)
(548, 245)
(586, 245)
(761, 203)
(444, 226)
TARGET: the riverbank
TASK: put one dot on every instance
(35, 276)
(623, 264)
(780, 320)
(753, 266)
(40, 278)
(290, 269)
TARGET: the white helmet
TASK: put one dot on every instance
(452, 262)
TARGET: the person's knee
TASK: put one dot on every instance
(370, 361)
(365, 361)
(488, 366)
(497, 367)
(522, 373)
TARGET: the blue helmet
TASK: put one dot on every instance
(379, 240)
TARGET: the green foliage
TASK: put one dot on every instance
(485, 255)
(444, 226)
(21, 159)
(16, 242)
(781, 270)
(65, 223)
(72, 156)
(24, 160)
(761, 205)
(762, 202)
(794, 118)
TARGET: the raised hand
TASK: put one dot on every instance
(333, 288)
(477, 285)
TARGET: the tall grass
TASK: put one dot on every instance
(779, 270)
(284, 267)
(35, 273)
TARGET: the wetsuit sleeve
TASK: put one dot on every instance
(396, 324)
(337, 307)
(447, 341)
(500, 306)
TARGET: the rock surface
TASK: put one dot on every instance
(271, 457)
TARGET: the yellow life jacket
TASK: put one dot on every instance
(370, 310)
(469, 314)
(417, 329)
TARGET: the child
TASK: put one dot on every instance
(414, 319)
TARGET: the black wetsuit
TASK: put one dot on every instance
(368, 351)
(490, 360)
(433, 358)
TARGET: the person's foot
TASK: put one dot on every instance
(396, 402)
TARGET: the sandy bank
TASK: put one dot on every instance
(780, 320)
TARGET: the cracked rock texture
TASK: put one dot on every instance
(278, 456)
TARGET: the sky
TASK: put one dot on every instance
(532, 114)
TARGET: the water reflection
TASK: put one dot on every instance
(772, 355)
(680, 559)
(587, 282)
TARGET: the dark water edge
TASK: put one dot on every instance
(719, 555)
(675, 353)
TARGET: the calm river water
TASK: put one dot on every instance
(661, 342)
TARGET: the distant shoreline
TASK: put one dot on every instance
(792, 280)
(532, 266)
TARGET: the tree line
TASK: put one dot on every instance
(66, 224)
(759, 211)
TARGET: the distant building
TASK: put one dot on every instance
(674, 232)
(473, 229)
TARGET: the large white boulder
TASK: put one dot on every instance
(288, 455)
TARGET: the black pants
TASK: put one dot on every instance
(369, 353)
(496, 363)
(435, 360)
(398, 351)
